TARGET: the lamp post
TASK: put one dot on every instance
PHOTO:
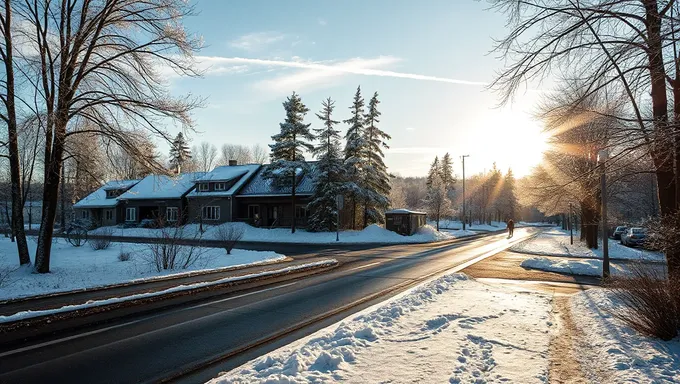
(602, 161)
(464, 217)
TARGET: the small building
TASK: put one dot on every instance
(101, 207)
(212, 201)
(159, 197)
(404, 222)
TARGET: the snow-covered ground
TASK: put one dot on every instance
(371, 234)
(457, 224)
(451, 329)
(586, 267)
(82, 267)
(612, 352)
(556, 242)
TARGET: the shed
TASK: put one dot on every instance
(404, 222)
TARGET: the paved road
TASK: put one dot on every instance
(154, 347)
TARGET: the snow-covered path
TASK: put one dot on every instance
(452, 329)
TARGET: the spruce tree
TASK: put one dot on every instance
(322, 207)
(433, 172)
(179, 152)
(437, 202)
(287, 159)
(446, 169)
(355, 150)
(376, 178)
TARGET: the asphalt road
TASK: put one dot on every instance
(224, 330)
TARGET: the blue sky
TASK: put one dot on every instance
(428, 61)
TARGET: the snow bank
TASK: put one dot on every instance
(371, 234)
(556, 242)
(24, 315)
(570, 267)
(447, 330)
(612, 352)
(457, 224)
(81, 267)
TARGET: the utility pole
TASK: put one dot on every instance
(602, 161)
(571, 225)
(464, 217)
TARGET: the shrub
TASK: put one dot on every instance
(229, 235)
(652, 300)
(124, 256)
(169, 253)
(102, 242)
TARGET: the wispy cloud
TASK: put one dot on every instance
(357, 66)
(322, 22)
(256, 41)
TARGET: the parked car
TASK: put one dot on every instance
(148, 223)
(619, 231)
(634, 236)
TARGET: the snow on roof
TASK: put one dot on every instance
(260, 186)
(404, 211)
(97, 199)
(243, 172)
(162, 187)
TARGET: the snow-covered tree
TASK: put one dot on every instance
(287, 158)
(355, 150)
(376, 183)
(433, 172)
(446, 171)
(330, 171)
(437, 202)
(179, 152)
(508, 199)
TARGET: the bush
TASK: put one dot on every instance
(169, 253)
(103, 242)
(229, 235)
(653, 302)
(124, 256)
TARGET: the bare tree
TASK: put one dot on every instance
(237, 152)
(205, 155)
(104, 62)
(259, 153)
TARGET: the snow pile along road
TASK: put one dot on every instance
(570, 267)
(612, 352)
(451, 329)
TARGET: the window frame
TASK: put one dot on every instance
(301, 208)
(131, 217)
(221, 186)
(175, 213)
(85, 214)
(210, 212)
(203, 187)
(108, 214)
(257, 206)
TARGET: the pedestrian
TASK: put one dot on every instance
(511, 227)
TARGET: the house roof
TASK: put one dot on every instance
(227, 173)
(261, 186)
(97, 199)
(404, 211)
(162, 187)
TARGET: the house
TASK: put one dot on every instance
(159, 197)
(101, 207)
(211, 202)
(262, 203)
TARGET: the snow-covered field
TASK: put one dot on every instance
(612, 352)
(457, 224)
(82, 267)
(371, 234)
(556, 242)
(451, 329)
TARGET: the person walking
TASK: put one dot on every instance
(511, 228)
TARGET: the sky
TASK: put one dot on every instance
(429, 61)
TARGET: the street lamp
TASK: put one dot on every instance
(464, 217)
(602, 161)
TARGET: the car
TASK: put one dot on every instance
(619, 231)
(634, 236)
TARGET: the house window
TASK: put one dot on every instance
(130, 214)
(203, 187)
(300, 211)
(86, 215)
(210, 213)
(171, 213)
(219, 186)
(253, 211)
(108, 214)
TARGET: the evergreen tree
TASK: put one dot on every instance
(508, 197)
(179, 152)
(287, 159)
(437, 202)
(376, 178)
(322, 207)
(435, 170)
(446, 171)
(355, 150)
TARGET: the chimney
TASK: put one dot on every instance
(233, 162)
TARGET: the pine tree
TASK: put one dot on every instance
(508, 198)
(446, 171)
(437, 202)
(376, 178)
(179, 152)
(355, 150)
(322, 208)
(435, 170)
(287, 159)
